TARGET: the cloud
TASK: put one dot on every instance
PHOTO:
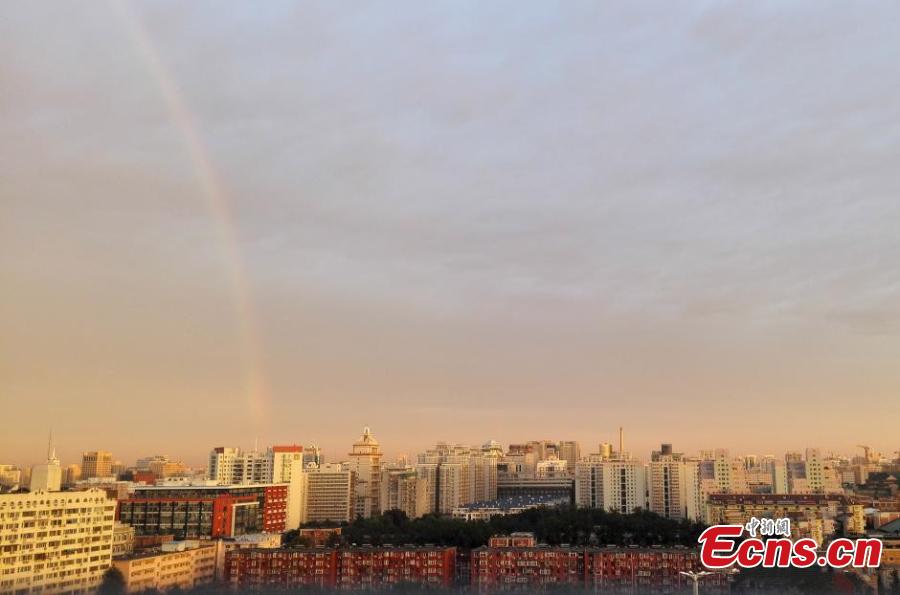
(642, 177)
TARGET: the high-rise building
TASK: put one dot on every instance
(458, 475)
(117, 468)
(284, 460)
(286, 464)
(96, 463)
(330, 494)
(161, 466)
(232, 466)
(779, 477)
(611, 481)
(365, 462)
(570, 452)
(722, 474)
(55, 542)
(71, 474)
(674, 485)
(812, 475)
(403, 489)
(47, 477)
(611, 484)
(543, 449)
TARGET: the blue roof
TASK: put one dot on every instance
(522, 501)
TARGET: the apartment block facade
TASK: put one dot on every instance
(348, 568)
(331, 494)
(176, 564)
(55, 542)
(610, 484)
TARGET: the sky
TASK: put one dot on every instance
(460, 221)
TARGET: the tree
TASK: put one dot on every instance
(113, 582)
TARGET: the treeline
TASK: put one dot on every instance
(554, 526)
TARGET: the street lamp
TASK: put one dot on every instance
(696, 576)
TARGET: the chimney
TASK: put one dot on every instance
(621, 442)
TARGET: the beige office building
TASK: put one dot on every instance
(365, 462)
(55, 542)
(97, 463)
(330, 494)
(403, 489)
(182, 564)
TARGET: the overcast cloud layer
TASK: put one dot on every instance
(456, 220)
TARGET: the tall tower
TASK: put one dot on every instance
(48, 476)
(365, 461)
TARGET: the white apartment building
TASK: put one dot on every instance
(232, 466)
(284, 460)
(55, 542)
(458, 475)
(721, 474)
(403, 489)
(610, 484)
(673, 483)
(813, 475)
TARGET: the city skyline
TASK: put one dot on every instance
(481, 221)
(341, 452)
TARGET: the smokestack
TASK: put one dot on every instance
(621, 442)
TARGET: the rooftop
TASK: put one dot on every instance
(512, 502)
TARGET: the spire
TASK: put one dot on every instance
(51, 450)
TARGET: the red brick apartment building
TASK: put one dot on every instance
(296, 567)
(652, 569)
(517, 562)
(349, 568)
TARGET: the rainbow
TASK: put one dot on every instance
(216, 202)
